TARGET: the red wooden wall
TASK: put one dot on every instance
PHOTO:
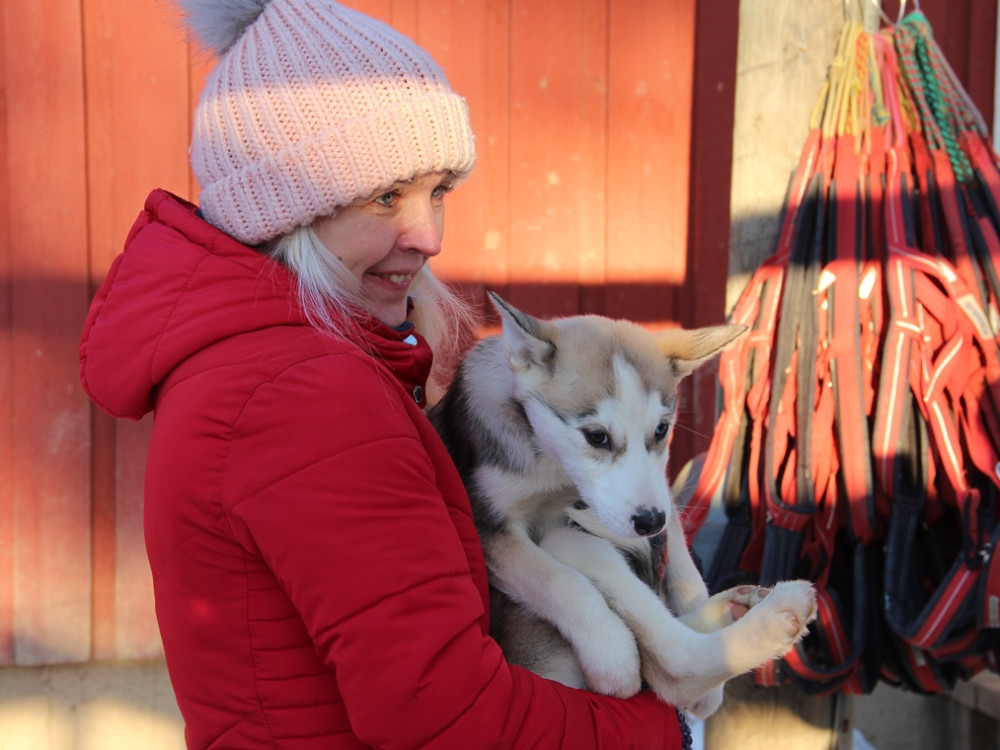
(604, 134)
(580, 202)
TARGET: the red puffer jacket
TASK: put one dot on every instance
(318, 579)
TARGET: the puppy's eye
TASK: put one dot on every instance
(597, 438)
(661, 431)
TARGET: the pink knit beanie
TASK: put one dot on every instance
(312, 106)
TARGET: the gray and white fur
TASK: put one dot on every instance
(560, 431)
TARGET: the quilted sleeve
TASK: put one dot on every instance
(336, 491)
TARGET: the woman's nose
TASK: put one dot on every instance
(423, 230)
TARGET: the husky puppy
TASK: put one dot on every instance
(559, 430)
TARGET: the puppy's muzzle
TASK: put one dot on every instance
(649, 521)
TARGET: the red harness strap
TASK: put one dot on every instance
(859, 442)
(852, 432)
(788, 482)
(925, 363)
(840, 651)
(744, 366)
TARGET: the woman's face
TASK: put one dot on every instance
(386, 239)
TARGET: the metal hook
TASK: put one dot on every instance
(885, 18)
(901, 14)
(902, 9)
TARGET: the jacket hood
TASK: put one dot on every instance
(181, 285)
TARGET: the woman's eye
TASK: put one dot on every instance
(597, 438)
(442, 190)
(387, 199)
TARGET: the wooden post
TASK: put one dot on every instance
(785, 49)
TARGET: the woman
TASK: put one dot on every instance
(318, 578)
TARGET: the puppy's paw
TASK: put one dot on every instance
(725, 608)
(789, 608)
(707, 705)
(620, 678)
(611, 663)
(741, 599)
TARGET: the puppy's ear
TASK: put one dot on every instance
(527, 340)
(689, 349)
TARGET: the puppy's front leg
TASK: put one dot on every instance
(774, 621)
(681, 664)
(685, 591)
(676, 661)
(559, 594)
(714, 614)
(683, 588)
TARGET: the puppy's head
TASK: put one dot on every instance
(601, 398)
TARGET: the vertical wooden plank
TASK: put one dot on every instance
(380, 9)
(50, 416)
(6, 391)
(150, 150)
(981, 42)
(701, 300)
(199, 65)
(588, 203)
(136, 634)
(492, 185)
(138, 117)
(151, 122)
(558, 64)
(470, 42)
(103, 431)
(405, 14)
(100, 151)
(649, 139)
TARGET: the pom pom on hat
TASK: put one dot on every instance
(310, 107)
(219, 23)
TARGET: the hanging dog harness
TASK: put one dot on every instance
(859, 439)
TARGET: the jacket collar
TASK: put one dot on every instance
(182, 285)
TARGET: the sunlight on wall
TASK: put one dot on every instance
(29, 723)
(41, 724)
(89, 707)
(113, 725)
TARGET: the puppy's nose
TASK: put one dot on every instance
(649, 521)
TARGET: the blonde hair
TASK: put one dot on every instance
(329, 295)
